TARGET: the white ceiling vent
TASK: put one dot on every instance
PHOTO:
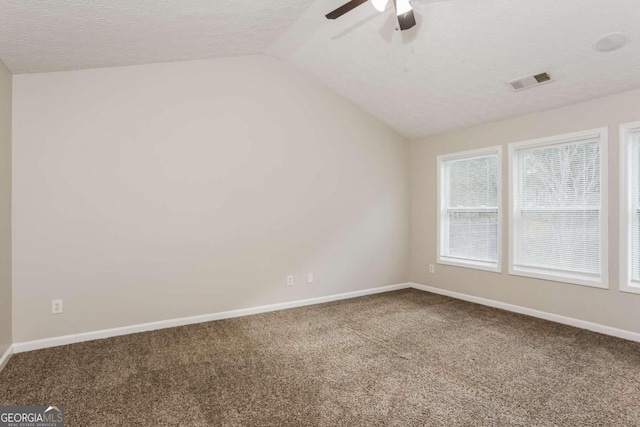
(530, 81)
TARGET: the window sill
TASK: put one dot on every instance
(562, 278)
(630, 288)
(476, 265)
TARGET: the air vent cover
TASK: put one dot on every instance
(530, 81)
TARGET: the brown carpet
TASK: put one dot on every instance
(405, 358)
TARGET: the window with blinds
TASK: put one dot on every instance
(469, 223)
(558, 218)
(630, 209)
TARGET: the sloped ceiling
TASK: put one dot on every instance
(449, 71)
(53, 35)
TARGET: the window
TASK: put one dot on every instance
(469, 209)
(558, 221)
(630, 207)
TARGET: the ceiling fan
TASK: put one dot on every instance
(403, 8)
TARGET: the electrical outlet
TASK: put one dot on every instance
(432, 268)
(310, 278)
(56, 306)
(289, 280)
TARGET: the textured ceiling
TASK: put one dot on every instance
(450, 70)
(52, 35)
(447, 72)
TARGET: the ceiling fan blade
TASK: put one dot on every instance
(406, 20)
(344, 9)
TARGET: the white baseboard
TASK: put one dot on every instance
(152, 326)
(20, 347)
(5, 357)
(583, 324)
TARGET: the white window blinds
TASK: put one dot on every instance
(469, 210)
(557, 210)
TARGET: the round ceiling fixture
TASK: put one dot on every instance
(380, 5)
(610, 42)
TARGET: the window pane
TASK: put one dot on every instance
(561, 176)
(635, 247)
(469, 214)
(473, 235)
(634, 145)
(473, 182)
(557, 201)
(568, 241)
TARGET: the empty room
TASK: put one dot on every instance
(319, 213)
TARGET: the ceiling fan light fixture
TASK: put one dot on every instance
(380, 5)
(403, 6)
(406, 18)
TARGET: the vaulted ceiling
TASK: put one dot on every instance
(53, 35)
(449, 71)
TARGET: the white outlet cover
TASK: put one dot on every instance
(289, 280)
(56, 306)
(309, 277)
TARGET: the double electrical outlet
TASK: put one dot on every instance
(309, 279)
(56, 306)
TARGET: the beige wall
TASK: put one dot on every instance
(609, 307)
(170, 190)
(160, 191)
(5, 208)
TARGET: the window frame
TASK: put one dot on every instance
(463, 155)
(603, 135)
(626, 218)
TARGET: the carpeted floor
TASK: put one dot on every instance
(405, 358)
